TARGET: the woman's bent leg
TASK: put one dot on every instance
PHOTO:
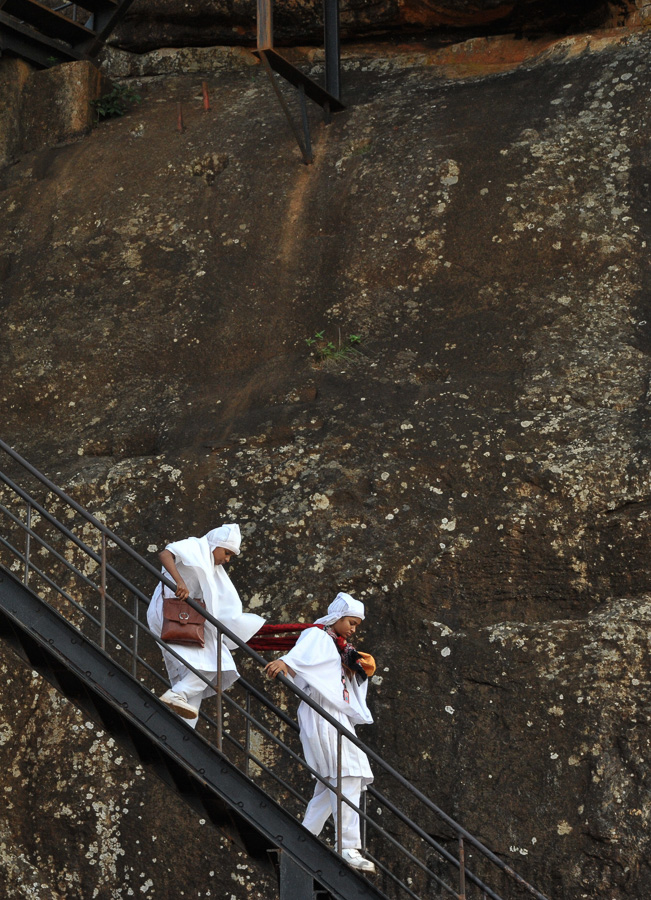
(185, 696)
(191, 686)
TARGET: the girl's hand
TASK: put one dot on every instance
(181, 590)
(277, 666)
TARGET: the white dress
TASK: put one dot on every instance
(317, 664)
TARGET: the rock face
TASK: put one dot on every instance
(42, 108)
(165, 23)
(478, 473)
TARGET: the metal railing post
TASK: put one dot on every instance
(136, 631)
(462, 870)
(27, 543)
(247, 739)
(362, 822)
(219, 691)
(339, 804)
(102, 596)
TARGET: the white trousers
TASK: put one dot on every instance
(324, 804)
(191, 688)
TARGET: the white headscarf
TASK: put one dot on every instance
(342, 605)
(226, 536)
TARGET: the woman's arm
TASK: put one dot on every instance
(278, 665)
(168, 562)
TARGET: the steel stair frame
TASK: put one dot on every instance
(415, 823)
(162, 742)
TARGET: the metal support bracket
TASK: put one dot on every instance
(307, 155)
(327, 98)
(295, 883)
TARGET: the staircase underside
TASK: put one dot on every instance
(44, 36)
(19, 39)
(162, 742)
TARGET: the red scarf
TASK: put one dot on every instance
(284, 637)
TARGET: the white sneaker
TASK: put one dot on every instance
(356, 861)
(178, 704)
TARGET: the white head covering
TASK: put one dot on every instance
(226, 536)
(342, 605)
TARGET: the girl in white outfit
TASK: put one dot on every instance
(328, 668)
(197, 567)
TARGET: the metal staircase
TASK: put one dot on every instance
(72, 608)
(46, 33)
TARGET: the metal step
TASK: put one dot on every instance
(163, 743)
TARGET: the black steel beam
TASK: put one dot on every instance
(331, 41)
(295, 883)
(110, 695)
(313, 90)
(105, 23)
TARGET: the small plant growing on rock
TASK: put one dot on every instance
(324, 349)
(116, 102)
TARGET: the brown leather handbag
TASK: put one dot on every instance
(182, 624)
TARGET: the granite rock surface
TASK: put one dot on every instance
(477, 471)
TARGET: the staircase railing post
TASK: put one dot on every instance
(247, 740)
(339, 804)
(136, 630)
(219, 690)
(462, 870)
(102, 597)
(28, 522)
(362, 822)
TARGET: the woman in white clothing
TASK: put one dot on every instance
(334, 674)
(196, 565)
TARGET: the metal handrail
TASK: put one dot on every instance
(101, 559)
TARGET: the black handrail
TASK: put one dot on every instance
(415, 829)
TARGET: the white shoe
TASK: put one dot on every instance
(178, 704)
(356, 861)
